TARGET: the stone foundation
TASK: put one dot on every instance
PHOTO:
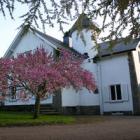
(20, 108)
(81, 110)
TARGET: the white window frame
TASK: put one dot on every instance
(116, 96)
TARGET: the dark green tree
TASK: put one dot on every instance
(117, 15)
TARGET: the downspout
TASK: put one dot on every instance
(99, 77)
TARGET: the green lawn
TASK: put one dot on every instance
(26, 119)
(17, 119)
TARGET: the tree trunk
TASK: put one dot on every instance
(37, 107)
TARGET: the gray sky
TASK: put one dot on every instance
(8, 28)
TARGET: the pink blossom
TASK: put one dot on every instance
(40, 73)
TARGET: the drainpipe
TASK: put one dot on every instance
(99, 77)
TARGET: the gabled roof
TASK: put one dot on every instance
(11, 48)
(119, 47)
(52, 40)
(104, 50)
(83, 22)
(49, 38)
(20, 34)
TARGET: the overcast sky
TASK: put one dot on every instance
(8, 29)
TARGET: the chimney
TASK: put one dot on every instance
(67, 39)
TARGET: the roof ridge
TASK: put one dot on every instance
(119, 40)
(44, 34)
(84, 21)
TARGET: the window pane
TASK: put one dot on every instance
(96, 91)
(13, 92)
(118, 89)
(112, 88)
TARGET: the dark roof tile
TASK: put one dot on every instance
(119, 47)
(49, 38)
(84, 22)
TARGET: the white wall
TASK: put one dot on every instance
(69, 97)
(136, 58)
(115, 70)
(78, 44)
(82, 97)
(30, 42)
(87, 98)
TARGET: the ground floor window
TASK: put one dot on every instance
(116, 93)
(12, 90)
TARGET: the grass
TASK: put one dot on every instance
(26, 119)
(20, 119)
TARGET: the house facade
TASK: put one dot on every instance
(116, 71)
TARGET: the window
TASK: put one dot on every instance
(13, 92)
(96, 91)
(115, 91)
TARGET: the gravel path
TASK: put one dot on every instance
(113, 128)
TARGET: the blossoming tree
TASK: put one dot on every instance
(40, 73)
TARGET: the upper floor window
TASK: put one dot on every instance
(116, 93)
(13, 92)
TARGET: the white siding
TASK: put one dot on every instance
(70, 97)
(79, 45)
(83, 97)
(87, 98)
(30, 42)
(115, 70)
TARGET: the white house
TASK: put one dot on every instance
(117, 72)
